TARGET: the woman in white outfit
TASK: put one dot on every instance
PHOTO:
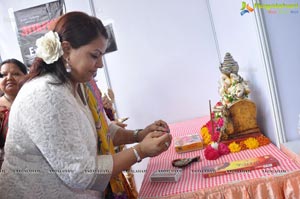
(51, 146)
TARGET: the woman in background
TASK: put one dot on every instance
(12, 71)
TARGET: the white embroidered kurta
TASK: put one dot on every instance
(51, 146)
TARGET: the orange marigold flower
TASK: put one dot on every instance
(251, 143)
(263, 140)
(243, 145)
(205, 135)
(234, 147)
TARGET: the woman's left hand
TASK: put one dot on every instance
(158, 125)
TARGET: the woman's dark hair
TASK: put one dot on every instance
(78, 29)
(16, 62)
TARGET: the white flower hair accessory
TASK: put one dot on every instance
(49, 47)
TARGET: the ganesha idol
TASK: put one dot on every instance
(237, 112)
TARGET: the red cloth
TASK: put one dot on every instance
(4, 114)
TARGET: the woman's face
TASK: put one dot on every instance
(87, 59)
(11, 76)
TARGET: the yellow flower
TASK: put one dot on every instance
(234, 147)
(251, 143)
(205, 135)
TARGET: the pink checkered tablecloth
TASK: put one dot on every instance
(192, 179)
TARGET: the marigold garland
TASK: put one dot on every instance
(262, 140)
(243, 145)
(234, 147)
(251, 143)
(205, 135)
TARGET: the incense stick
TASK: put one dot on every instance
(211, 119)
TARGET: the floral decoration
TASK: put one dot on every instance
(211, 153)
(215, 150)
(243, 145)
(251, 143)
(232, 87)
(205, 135)
(216, 128)
(262, 140)
(234, 147)
(49, 47)
(223, 149)
(214, 131)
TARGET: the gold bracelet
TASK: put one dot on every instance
(138, 157)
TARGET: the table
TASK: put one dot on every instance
(292, 149)
(277, 182)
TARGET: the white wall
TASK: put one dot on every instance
(166, 66)
(283, 33)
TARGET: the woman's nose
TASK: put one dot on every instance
(10, 76)
(100, 62)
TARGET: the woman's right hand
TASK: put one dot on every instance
(154, 144)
